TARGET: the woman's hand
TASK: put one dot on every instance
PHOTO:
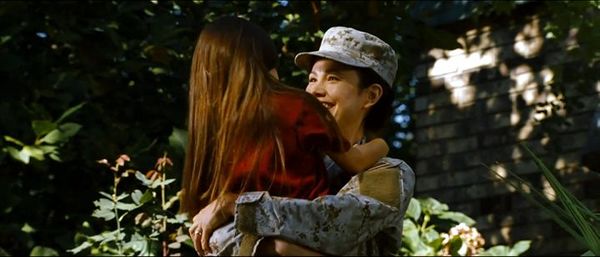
(210, 218)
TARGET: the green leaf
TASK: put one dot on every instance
(178, 139)
(81, 247)
(498, 250)
(55, 156)
(136, 196)
(520, 247)
(141, 177)
(457, 246)
(13, 140)
(53, 137)
(69, 129)
(61, 134)
(105, 214)
(126, 206)
(34, 152)
(158, 71)
(122, 196)
(410, 235)
(430, 235)
(158, 183)
(42, 127)
(47, 149)
(588, 253)
(27, 228)
(43, 251)
(433, 206)
(148, 196)
(104, 203)
(458, 217)
(414, 209)
(107, 195)
(18, 155)
(68, 112)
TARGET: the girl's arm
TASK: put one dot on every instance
(361, 157)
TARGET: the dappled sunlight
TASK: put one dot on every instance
(459, 61)
(503, 87)
(555, 106)
(528, 41)
(515, 117)
(499, 174)
(505, 232)
(547, 190)
(522, 76)
(500, 170)
(524, 132)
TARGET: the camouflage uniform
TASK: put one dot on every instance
(364, 218)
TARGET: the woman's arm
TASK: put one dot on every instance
(334, 224)
(361, 157)
(331, 224)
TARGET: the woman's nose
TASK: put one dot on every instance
(316, 89)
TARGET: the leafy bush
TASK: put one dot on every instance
(144, 222)
(426, 217)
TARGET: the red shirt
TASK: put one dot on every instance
(305, 135)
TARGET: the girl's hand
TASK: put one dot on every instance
(211, 217)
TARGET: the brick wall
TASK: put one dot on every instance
(476, 104)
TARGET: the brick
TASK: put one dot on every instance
(428, 183)
(498, 104)
(421, 104)
(468, 177)
(461, 145)
(429, 150)
(439, 132)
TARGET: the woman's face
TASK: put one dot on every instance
(336, 86)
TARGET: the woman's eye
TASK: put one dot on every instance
(311, 80)
(332, 78)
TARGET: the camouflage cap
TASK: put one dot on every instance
(355, 48)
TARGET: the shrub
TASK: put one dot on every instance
(142, 217)
(424, 220)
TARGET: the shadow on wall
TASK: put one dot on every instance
(502, 88)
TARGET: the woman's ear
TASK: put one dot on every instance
(374, 92)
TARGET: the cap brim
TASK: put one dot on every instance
(304, 59)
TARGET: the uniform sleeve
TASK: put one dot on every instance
(319, 132)
(332, 224)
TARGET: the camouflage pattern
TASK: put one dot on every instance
(364, 218)
(355, 48)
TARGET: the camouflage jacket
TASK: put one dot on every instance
(364, 218)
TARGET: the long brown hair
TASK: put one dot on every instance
(228, 115)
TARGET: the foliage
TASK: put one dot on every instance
(571, 214)
(426, 217)
(147, 225)
(128, 61)
(49, 136)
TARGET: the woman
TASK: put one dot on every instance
(351, 74)
(248, 132)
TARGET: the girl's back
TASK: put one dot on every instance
(305, 131)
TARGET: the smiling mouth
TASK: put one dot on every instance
(327, 105)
